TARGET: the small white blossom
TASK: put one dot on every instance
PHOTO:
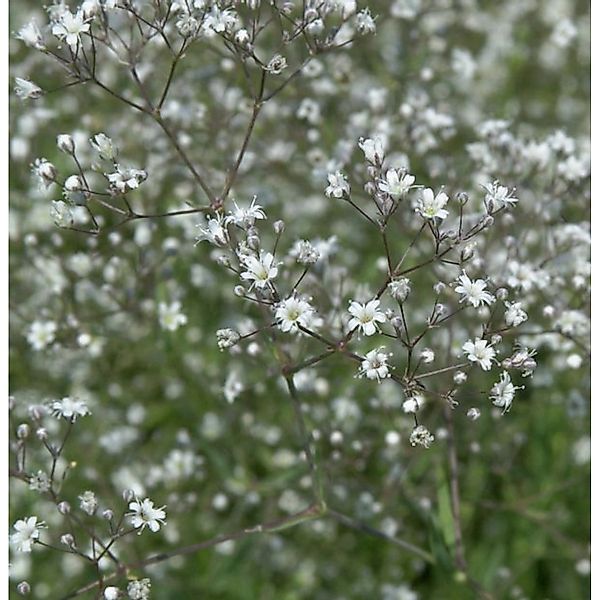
(514, 314)
(413, 404)
(364, 22)
(431, 206)
(40, 482)
(473, 413)
(27, 531)
(293, 311)
(26, 89)
(373, 149)
(306, 253)
(215, 231)
(61, 213)
(41, 334)
(480, 352)
(104, 147)
(227, 338)
(111, 593)
(125, 179)
(338, 185)
(145, 515)
(498, 196)
(503, 393)
(473, 292)
(399, 289)
(277, 64)
(421, 436)
(366, 316)
(88, 502)
(139, 589)
(170, 316)
(70, 27)
(31, 35)
(375, 365)
(69, 408)
(259, 270)
(245, 216)
(396, 185)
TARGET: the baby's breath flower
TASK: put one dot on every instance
(104, 147)
(306, 253)
(480, 352)
(27, 90)
(366, 316)
(473, 292)
(260, 270)
(31, 35)
(27, 531)
(399, 289)
(503, 393)
(338, 185)
(245, 216)
(396, 184)
(88, 502)
(69, 408)
(498, 196)
(139, 589)
(421, 436)
(293, 311)
(41, 334)
(431, 206)
(170, 316)
(364, 22)
(514, 314)
(145, 515)
(276, 65)
(69, 27)
(227, 338)
(372, 149)
(375, 365)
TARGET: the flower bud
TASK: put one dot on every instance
(73, 184)
(23, 588)
(239, 290)
(68, 540)
(65, 143)
(128, 495)
(23, 431)
(107, 514)
(279, 226)
(502, 293)
(41, 433)
(64, 508)
(462, 198)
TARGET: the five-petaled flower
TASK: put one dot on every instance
(366, 316)
(145, 515)
(480, 352)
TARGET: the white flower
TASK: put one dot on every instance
(305, 253)
(373, 149)
(420, 436)
(61, 213)
(139, 589)
(245, 216)
(430, 206)
(227, 338)
(111, 593)
(503, 393)
(27, 531)
(427, 355)
(514, 314)
(412, 405)
(473, 291)
(31, 35)
(395, 185)
(69, 408)
(104, 146)
(70, 27)
(218, 21)
(364, 22)
(41, 334)
(479, 352)
(25, 89)
(144, 514)
(293, 311)
(473, 413)
(215, 231)
(338, 185)
(125, 179)
(374, 365)
(259, 270)
(399, 289)
(277, 64)
(88, 502)
(366, 316)
(170, 316)
(498, 196)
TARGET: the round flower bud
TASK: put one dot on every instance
(239, 290)
(439, 287)
(128, 495)
(496, 339)
(462, 198)
(488, 221)
(64, 508)
(473, 413)
(107, 514)
(23, 588)
(68, 540)
(111, 593)
(73, 183)
(279, 226)
(502, 293)
(224, 261)
(65, 143)
(459, 377)
(23, 431)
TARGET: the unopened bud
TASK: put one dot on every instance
(279, 226)
(64, 508)
(65, 143)
(23, 588)
(23, 431)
